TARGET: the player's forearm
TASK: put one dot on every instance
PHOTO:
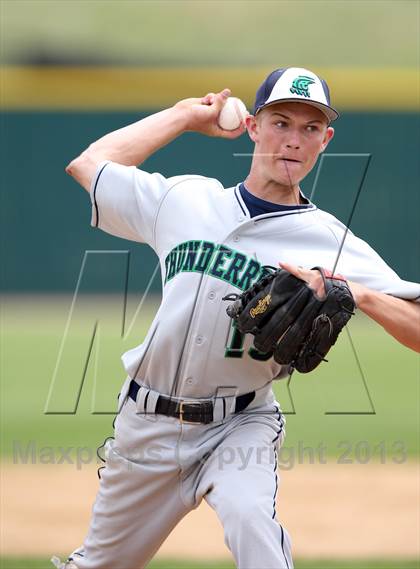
(400, 318)
(134, 143)
(130, 145)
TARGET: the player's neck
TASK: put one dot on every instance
(273, 192)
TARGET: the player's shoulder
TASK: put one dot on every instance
(144, 179)
(329, 220)
(192, 189)
(194, 181)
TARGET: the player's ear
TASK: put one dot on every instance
(329, 133)
(251, 124)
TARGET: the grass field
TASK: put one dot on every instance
(331, 406)
(316, 564)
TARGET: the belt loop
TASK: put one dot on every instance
(152, 398)
(224, 402)
(141, 401)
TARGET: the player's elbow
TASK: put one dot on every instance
(83, 168)
(71, 165)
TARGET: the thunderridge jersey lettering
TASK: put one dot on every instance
(214, 259)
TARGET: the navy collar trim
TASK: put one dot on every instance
(291, 210)
(270, 207)
(241, 202)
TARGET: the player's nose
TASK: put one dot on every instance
(293, 143)
(293, 140)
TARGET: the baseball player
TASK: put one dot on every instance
(197, 416)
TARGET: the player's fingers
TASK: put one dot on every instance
(232, 133)
(208, 99)
(312, 278)
(221, 98)
(298, 272)
(294, 269)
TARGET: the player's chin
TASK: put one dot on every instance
(288, 179)
(290, 172)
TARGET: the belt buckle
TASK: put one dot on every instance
(181, 413)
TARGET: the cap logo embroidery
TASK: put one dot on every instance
(300, 85)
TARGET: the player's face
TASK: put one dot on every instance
(288, 140)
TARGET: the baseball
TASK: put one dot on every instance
(233, 114)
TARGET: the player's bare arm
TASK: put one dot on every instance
(400, 318)
(134, 143)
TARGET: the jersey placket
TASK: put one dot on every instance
(203, 325)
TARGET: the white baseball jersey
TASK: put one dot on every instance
(209, 246)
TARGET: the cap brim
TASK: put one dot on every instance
(330, 113)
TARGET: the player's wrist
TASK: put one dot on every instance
(361, 294)
(183, 115)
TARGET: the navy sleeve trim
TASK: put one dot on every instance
(94, 195)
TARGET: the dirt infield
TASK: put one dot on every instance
(339, 511)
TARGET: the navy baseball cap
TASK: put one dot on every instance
(295, 84)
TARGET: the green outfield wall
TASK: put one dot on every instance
(48, 115)
(46, 216)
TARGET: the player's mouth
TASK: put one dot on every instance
(290, 160)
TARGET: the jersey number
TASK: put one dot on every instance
(235, 343)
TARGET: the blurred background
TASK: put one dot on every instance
(70, 71)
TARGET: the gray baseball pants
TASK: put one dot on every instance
(158, 469)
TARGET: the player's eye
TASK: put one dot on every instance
(281, 124)
(312, 128)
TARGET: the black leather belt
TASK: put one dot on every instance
(190, 412)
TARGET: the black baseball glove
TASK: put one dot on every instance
(288, 319)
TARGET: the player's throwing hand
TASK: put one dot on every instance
(202, 114)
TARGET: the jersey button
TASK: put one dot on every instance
(190, 380)
(212, 295)
(199, 340)
(240, 219)
(236, 238)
